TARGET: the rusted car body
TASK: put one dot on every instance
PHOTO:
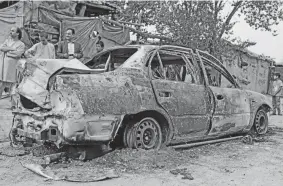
(146, 95)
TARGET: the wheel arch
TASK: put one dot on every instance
(264, 106)
(163, 120)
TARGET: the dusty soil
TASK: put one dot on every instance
(227, 163)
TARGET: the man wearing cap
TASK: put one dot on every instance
(277, 85)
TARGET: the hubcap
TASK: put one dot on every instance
(261, 122)
(147, 135)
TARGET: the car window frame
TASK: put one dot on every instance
(110, 50)
(184, 57)
(216, 63)
(222, 72)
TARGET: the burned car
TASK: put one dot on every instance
(145, 95)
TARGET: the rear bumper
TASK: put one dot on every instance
(84, 130)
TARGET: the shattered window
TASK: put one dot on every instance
(169, 66)
(111, 60)
(215, 77)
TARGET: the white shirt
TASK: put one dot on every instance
(41, 51)
(71, 48)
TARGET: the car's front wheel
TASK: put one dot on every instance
(145, 134)
(260, 122)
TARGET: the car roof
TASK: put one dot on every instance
(152, 47)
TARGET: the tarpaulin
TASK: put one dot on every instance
(49, 12)
(84, 27)
(51, 17)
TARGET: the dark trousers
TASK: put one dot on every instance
(276, 104)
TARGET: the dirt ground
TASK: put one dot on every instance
(226, 163)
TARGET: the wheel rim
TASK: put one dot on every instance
(261, 122)
(145, 134)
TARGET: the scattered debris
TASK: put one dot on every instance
(42, 150)
(54, 157)
(259, 139)
(14, 153)
(38, 169)
(248, 140)
(77, 177)
(228, 171)
(7, 150)
(184, 172)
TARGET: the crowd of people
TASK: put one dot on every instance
(13, 49)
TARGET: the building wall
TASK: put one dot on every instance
(256, 71)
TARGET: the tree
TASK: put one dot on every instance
(202, 24)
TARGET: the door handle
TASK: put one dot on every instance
(220, 97)
(165, 94)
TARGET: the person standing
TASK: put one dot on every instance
(41, 50)
(12, 50)
(277, 85)
(68, 49)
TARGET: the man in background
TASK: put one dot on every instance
(12, 50)
(99, 46)
(41, 50)
(277, 85)
(69, 49)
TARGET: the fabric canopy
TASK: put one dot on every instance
(35, 14)
(84, 27)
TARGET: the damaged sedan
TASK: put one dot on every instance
(145, 96)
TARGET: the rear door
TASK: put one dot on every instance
(231, 104)
(178, 89)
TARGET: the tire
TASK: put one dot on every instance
(145, 134)
(260, 123)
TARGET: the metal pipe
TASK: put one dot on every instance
(183, 146)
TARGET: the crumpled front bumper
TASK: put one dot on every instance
(60, 130)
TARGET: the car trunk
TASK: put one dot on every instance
(34, 88)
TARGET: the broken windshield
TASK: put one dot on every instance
(111, 59)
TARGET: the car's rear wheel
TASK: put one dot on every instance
(260, 122)
(145, 134)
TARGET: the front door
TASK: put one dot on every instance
(231, 105)
(178, 90)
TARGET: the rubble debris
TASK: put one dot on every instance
(248, 140)
(54, 157)
(259, 139)
(85, 153)
(7, 150)
(184, 172)
(14, 153)
(42, 150)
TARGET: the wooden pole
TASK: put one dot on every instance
(129, 23)
(82, 11)
(139, 28)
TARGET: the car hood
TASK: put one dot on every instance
(34, 84)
